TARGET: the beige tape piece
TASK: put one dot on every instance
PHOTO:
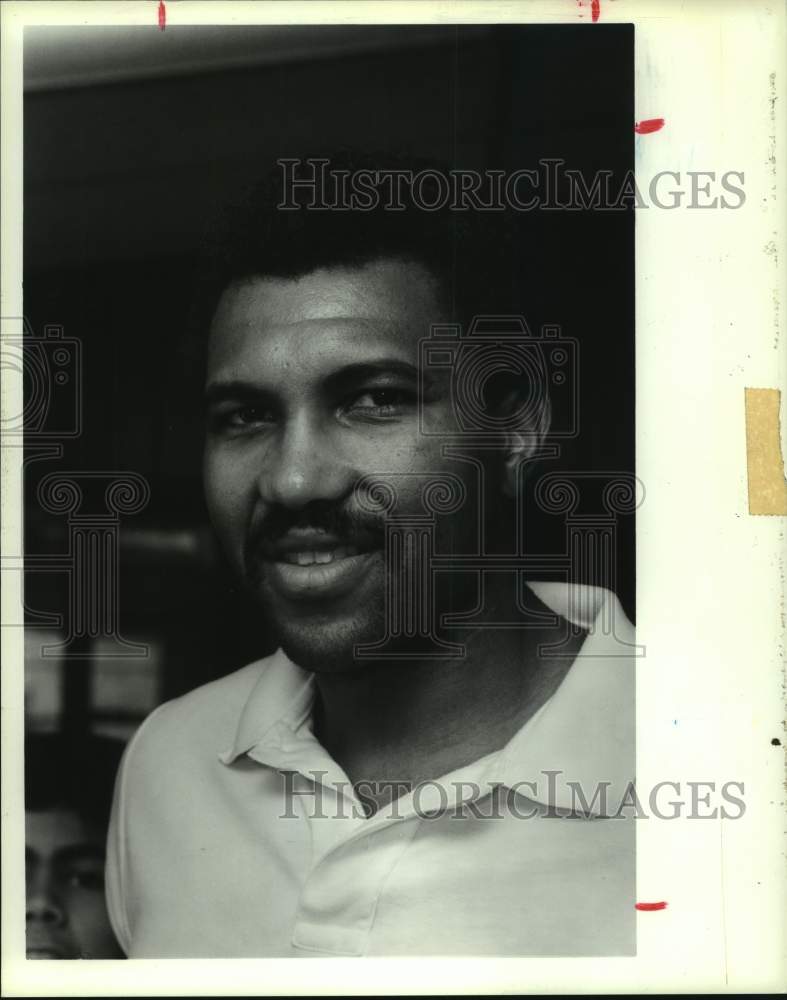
(767, 485)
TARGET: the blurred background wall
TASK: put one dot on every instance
(133, 138)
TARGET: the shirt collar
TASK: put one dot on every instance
(282, 696)
(579, 742)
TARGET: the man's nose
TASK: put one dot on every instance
(43, 907)
(304, 466)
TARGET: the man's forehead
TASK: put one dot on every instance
(56, 828)
(390, 295)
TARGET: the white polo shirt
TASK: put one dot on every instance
(235, 834)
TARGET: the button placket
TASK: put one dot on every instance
(339, 898)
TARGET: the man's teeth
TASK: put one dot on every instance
(308, 558)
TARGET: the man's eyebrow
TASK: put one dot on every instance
(80, 852)
(240, 390)
(360, 370)
(236, 389)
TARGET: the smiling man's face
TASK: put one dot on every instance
(312, 384)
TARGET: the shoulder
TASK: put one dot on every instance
(196, 725)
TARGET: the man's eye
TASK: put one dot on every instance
(241, 417)
(92, 879)
(381, 402)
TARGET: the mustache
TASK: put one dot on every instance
(347, 524)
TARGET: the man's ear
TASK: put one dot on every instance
(523, 439)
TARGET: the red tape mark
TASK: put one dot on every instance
(649, 125)
(650, 906)
(162, 15)
(595, 10)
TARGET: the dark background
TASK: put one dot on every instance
(127, 159)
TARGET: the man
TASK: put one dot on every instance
(68, 792)
(397, 777)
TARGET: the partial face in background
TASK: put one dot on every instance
(312, 384)
(66, 914)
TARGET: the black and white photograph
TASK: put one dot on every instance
(336, 355)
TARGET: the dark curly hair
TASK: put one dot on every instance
(77, 775)
(472, 253)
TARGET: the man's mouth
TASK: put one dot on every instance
(43, 950)
(42, 954)
(306, 566)
(324, 556)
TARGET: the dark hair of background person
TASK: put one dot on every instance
(75, 775)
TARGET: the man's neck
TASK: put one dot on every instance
(410, 721)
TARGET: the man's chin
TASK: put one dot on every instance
(327, 647)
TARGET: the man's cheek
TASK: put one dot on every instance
(227, 502)
(91, 928)
(211, 483)
(406, 450)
